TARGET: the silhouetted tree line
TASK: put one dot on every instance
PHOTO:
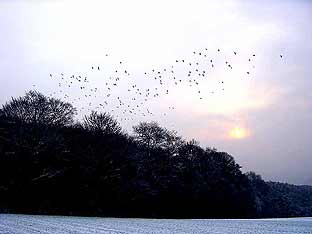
(50, 164)
(274, 199)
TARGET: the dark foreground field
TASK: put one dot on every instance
(60, 224)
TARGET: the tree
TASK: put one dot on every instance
(35, 108)
(92, 168)
(253, 177)
(101, 122)
(154, 136)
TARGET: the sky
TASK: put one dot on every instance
(262, 118)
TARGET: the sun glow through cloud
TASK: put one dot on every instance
(238, 133)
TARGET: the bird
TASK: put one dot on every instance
(139, 96)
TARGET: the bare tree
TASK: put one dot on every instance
(35, 108)
(153, 136)
(101, 122)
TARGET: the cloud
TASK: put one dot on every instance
(273, 102)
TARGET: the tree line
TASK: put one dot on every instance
(52, 164)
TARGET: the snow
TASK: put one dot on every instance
(17, 224)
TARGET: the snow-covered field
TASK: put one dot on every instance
(10, 223)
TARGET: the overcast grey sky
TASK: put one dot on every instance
(262, 119)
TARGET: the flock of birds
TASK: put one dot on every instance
(126, 97)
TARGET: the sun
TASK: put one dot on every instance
(238, 133)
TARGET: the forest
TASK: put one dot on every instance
(51, 163)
